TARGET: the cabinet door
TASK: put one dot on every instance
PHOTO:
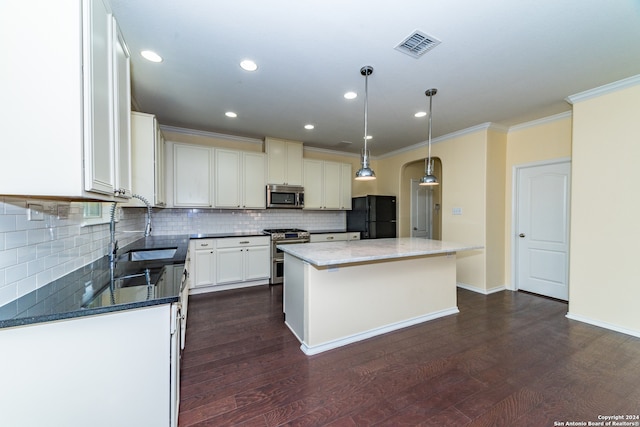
(203, 268)
(285, 162)
(229, 262)
(98, 144)
(254, 181)
(227, 179)
(294, 163)
(257, 262)
(277, 159)
(192, 175)
(160, 193)
(332, 197)
(345, 186)
(313, 184)
(122, 113)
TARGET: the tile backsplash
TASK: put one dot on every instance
(36, 252)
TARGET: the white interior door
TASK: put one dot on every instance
(542, 229)
(420, 212)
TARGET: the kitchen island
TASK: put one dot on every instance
(341, 292)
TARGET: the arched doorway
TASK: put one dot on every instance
(420, 214)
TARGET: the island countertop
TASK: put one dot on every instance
(346, 252)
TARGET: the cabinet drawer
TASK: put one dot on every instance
(204, 244)
(231, 242)
(328, 237)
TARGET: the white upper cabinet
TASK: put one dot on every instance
(64, 101)
(147, 156)
(345, 185)
(284, 161)
(122, 113)
(192, 181)
(327, 185)
(240, 179)
(254, 180)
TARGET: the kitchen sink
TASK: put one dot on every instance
(150, 254)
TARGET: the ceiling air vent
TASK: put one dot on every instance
(417, 44)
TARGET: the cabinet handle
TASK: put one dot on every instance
(204, 244)
(330, 238)
(245, 242)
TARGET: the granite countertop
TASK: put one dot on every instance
(345, 252)
(86, 291)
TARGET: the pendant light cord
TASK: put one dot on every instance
(429, 158)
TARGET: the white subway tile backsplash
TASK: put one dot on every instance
(26, 254)
(8, 258)
(15, 239)
(34, 253)
(7, 223)
(16, 273)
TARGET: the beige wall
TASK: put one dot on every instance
(547, 139)
(495, 217)
(604, 285)
(464, 167)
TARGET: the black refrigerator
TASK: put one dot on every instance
(373, 216)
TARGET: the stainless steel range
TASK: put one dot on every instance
(282, 236)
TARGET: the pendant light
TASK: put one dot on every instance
(365, 173)
(429, 178)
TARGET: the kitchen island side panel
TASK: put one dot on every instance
(294, 303)
(350, 301)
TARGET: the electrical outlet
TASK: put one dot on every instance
(457, 211)
(35, 212)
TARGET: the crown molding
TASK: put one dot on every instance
(336, 152)
(603, 90)
(544, 120)
(456, 134)
(185, 131)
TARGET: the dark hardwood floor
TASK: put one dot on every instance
(507, 359)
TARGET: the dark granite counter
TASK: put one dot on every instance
(87, 291)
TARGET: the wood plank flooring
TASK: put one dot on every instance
(507, 359)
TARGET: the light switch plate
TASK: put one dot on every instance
(457, 211)
(35, 212)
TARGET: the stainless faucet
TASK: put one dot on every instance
(113, 243)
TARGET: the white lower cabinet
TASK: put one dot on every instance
(231, 262)
(114, 369)
(333, 237)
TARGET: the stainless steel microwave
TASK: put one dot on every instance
(285, 196)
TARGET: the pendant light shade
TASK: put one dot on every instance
(365, 173)
(429, 178)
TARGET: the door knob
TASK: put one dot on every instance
(521, 235)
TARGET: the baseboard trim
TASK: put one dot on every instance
(602, 324)
(217, 288)
(480, 290)
(311, 350)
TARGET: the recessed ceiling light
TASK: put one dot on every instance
(420, 114)
(248, 65)
(231, 114)
(150, 55)
(350, 95)
(309, 126)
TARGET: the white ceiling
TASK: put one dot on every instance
(500, 61)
